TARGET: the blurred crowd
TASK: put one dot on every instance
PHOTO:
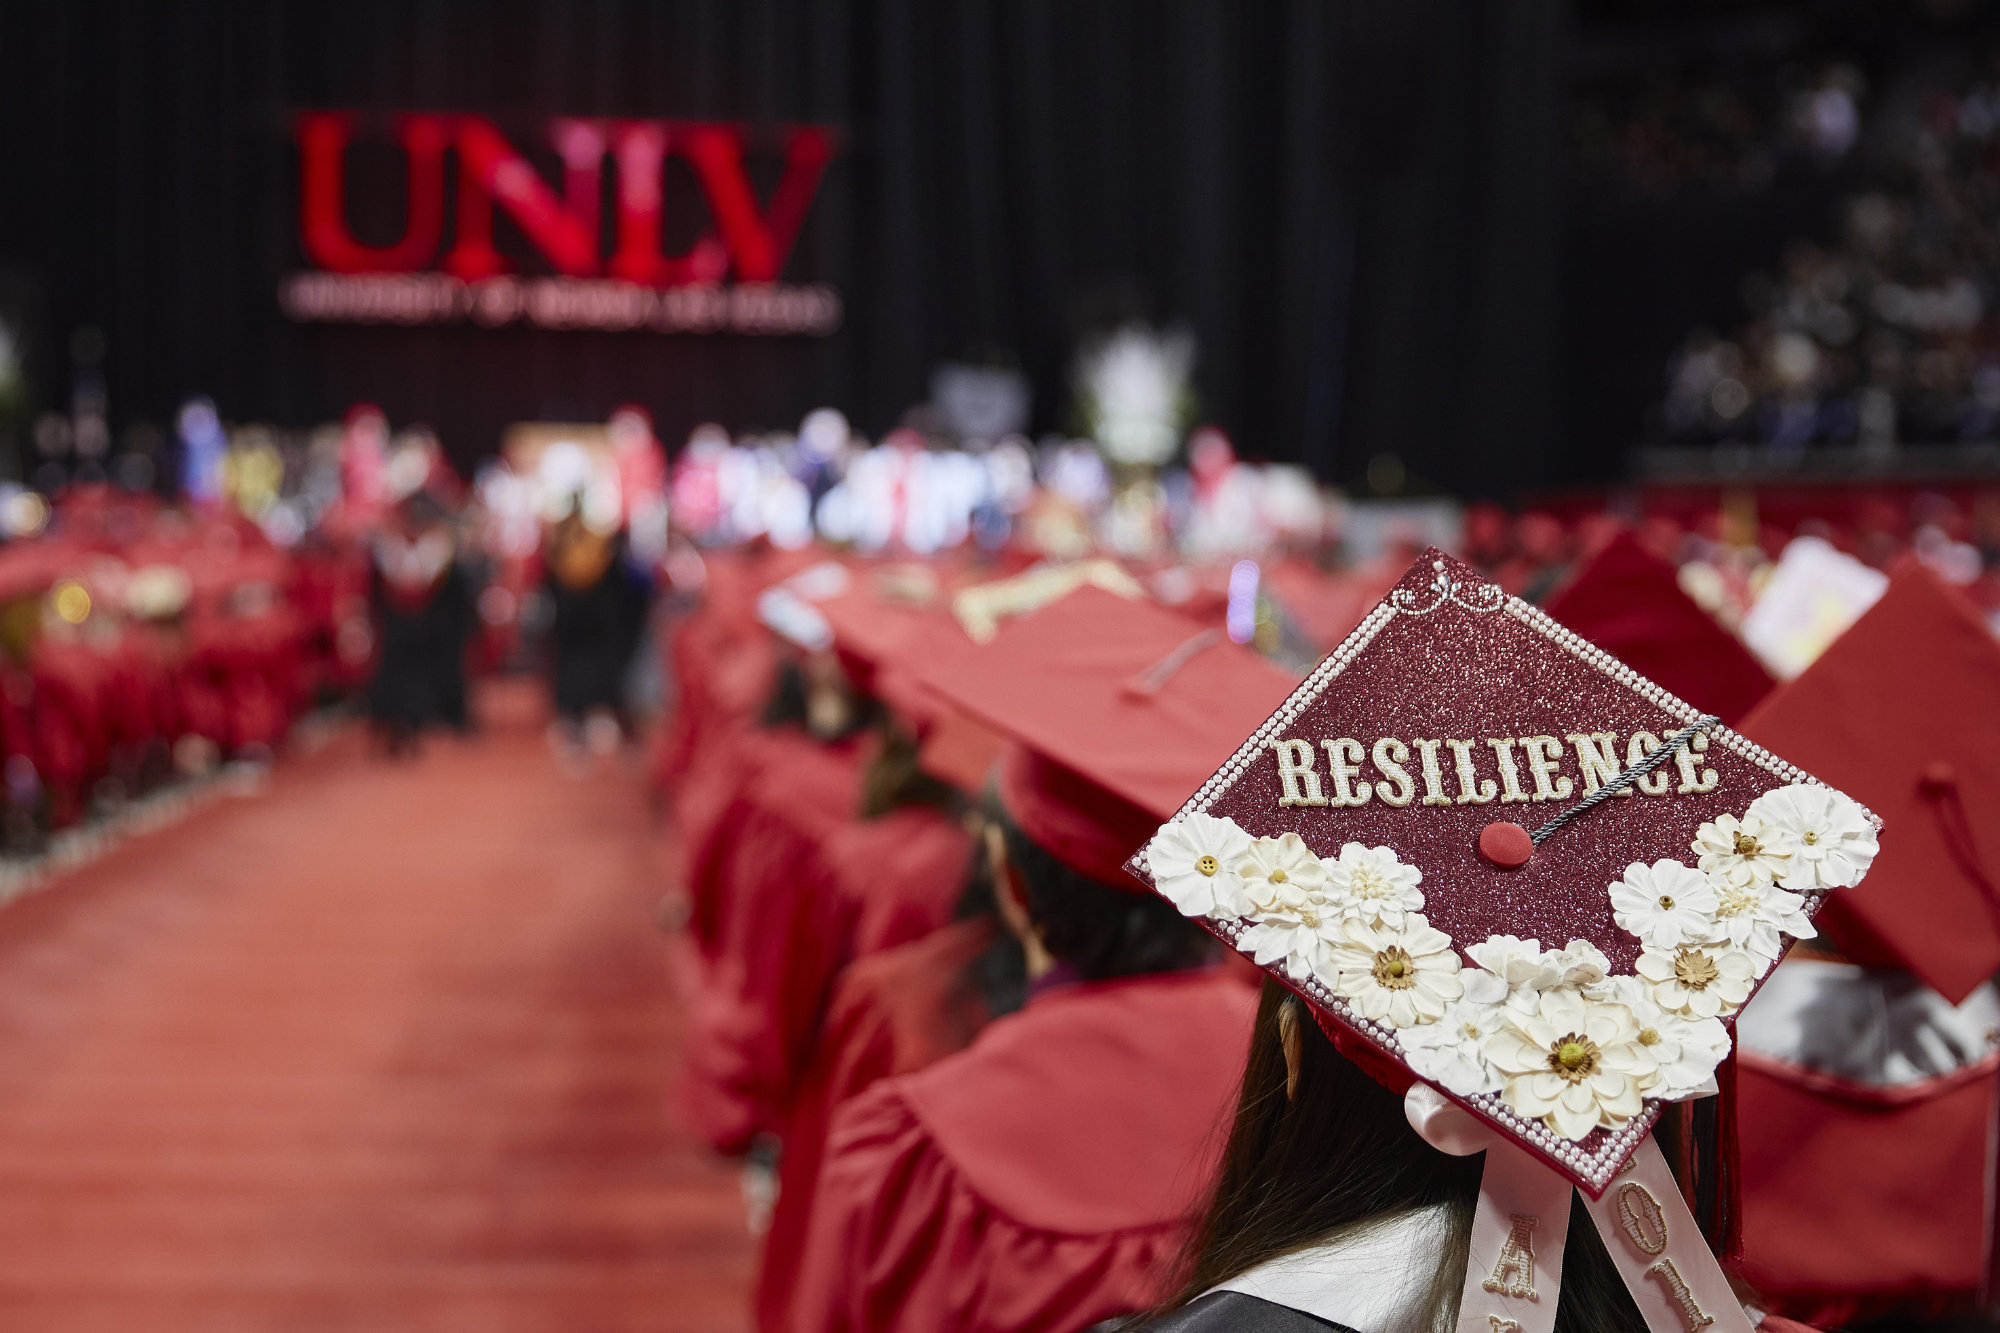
(147, 638)
(1187, 528)
(1877, 325)
(1723, 126)
(150, 633)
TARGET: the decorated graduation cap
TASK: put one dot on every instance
(1902, 710)
(1532, 886)
(1629, 602)
(1112, 709)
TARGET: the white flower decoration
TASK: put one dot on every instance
(1664, 904)
(1833, 841)
(1699, 980)
(1371, 885)
(1530, 972)
(1574, 1064)
(1749, 850)
(1273, 870)
(1578, 966)
(1401, 976)
(1754, 917)
(1686, 1049)
(1293, 927)
(1452, 1051)
(1517, 962)
(1194, 860)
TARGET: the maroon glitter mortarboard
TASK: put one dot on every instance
(1449, 841)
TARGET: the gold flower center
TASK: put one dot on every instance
(1394, 970)
(1747, 845)
(1734, 901)
(1368, 883)
(1309, 917)
(1278, 876)
(1694, 969)
(1810, 839)
(1666, 902)
(1574, 1057)
(1649, 1036)
(1208, 865)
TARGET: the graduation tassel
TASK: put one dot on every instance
(1708, 1157)
(1728, 1206)
(1939, 787)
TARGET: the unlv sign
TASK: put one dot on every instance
(726, 281)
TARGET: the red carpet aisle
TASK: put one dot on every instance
(386, 1049)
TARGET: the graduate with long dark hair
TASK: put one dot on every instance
(1325, 1182)
(1445, 1124)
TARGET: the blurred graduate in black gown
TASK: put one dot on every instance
(599, 603)
(424, 611)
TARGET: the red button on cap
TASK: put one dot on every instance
(1506, 845)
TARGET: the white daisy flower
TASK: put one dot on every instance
(1531, 972)
(1578, 966)
(1272, 870)
(1699, 980)
(1371, 885)
(1756, 917)
(1194, 860)
(1293, 927)
(1834, 843)
(1452, 1051)
(1686, 1049)
(1664, 904)
(1575, 1068)
(1516, 961)
(1749, 850)
(1400, 976)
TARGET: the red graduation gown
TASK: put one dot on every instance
(897, 878)
(792, 803)
(808, 899)
(1041, 1179)
(891, 1013)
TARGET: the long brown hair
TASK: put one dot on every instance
(1333, 1154)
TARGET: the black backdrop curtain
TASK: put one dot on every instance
(1352, 203)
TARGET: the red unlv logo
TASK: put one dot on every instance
(633, 286)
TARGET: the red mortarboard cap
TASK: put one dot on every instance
(1628, 602)
(1563, 997)
(1119, 709)
(886, 641)
(959, 750)
(879, 627)
(1902, 711)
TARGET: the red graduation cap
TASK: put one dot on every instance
(1449, 841)
(1902, 710)
(875, 626)
(884, 628)
(1629, 602)
(1116, 709)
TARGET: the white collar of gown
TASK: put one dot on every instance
(1373, 1282)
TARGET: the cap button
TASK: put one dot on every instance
(1506, 845)
(1938, 776)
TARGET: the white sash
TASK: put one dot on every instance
(1513, 1273)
